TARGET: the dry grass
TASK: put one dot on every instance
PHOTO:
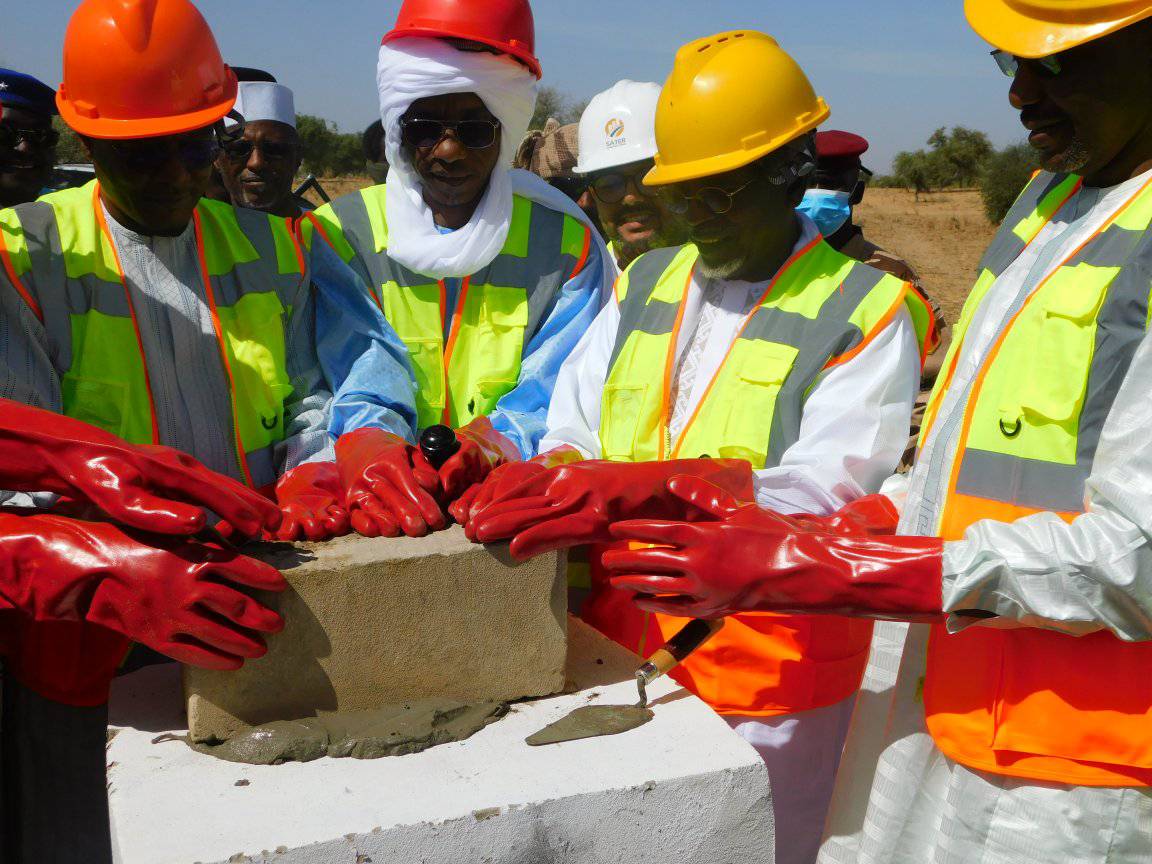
(943, 236)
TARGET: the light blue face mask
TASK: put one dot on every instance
(828, 208)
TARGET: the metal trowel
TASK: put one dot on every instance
(593, 721)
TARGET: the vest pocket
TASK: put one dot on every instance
(620, 420)
(427, 357)
(488, 393)
(1056, 358)
(748, 402)
(100, 402)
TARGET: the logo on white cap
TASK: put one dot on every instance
(614, 129)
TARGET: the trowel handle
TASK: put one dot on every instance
(438, 444)
(676, 650)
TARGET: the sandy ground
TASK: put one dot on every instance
(943, 235)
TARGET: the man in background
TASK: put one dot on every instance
(27, 139)
(838, 188)
(259, 160)
(617, 148)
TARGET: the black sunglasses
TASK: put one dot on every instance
(1045, 67)
(11, 137)
(241, 150)
(611, 187)
(426, 134)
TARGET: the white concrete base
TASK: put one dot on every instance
(684, 789)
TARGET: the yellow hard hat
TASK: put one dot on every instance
(731, 99)
(1040, 28)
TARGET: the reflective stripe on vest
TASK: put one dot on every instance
(821, 309)
(58, 254)
(1028, 702)
(463, 376)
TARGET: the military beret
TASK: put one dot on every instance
(835, 145)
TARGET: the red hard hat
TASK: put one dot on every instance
(506, 25)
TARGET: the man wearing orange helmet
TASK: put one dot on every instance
(1018, 727)
(756, 356)
(136, 306)
(490, 276)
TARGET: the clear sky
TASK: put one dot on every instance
(892, 70)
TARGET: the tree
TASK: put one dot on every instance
(550, 102)
(920, 170)
(1005, 175)
(69, 150)
(327, 151)
(964, 151)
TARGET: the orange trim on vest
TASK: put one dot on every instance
(584, 254)
(131, 308)
(450, 345)
(888, 317)
(17, 283)
(201, 255)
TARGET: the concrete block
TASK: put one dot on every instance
(684, 789)
(376, 622)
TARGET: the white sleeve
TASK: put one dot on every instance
(1093, 574)
(574, 412)
(854, 429)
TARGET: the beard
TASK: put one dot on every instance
(721, 269)
(1072, 160)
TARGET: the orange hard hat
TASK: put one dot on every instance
(506, 25)
(141, 69)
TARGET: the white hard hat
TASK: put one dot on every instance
(618, 127)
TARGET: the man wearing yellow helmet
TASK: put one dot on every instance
(1019, 727)
(756, 356)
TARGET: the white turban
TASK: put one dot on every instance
(416, 68)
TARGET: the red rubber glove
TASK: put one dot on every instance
(388, 486)
(754, 560)
(574, 505)
(151, 488)
(482, 449)
(502, 482)
(312, 501)
(182, 598)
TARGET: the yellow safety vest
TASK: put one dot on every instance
(820, 310)
(1028, 702)
(461, 375)
(58, 254)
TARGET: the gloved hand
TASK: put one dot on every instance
(574, 505)
(151, 488)
(388, 486)
(503, 480)
(482, 449)
(179, 597)
(312, 502)
(754, 560)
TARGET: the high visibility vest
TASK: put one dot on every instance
(1027, 702)
(58, 254)
(820, 311)
(463, 375)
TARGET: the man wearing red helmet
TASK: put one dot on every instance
(489, 276)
